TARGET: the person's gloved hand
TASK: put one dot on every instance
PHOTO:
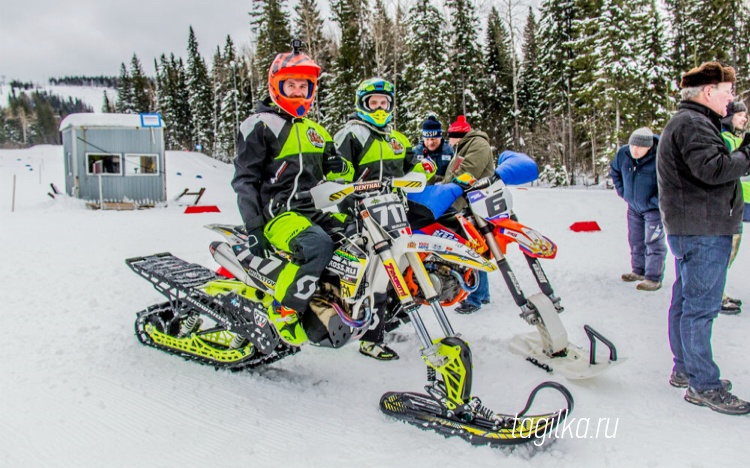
(428, 165)
(745, 141)
(465, 180)
(256, 241)
(335, 164)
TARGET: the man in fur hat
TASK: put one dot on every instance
(701, 203)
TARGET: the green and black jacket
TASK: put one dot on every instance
(374, 152)
(277, 156)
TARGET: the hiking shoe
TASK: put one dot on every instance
(485, 301)
(630, 277)
(466, 308)
(648, 285)
(287, 324)
(719, 400)
(377, 351)
(680, 380)
(729, 306)
(737, 302)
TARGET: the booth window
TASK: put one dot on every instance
(141, 164)
(103, 163)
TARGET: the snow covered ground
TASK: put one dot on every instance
(78, 389)
(93, 96)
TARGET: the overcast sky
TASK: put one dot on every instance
(41, 39)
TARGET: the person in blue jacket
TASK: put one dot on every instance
(433, 146)
(633, 173)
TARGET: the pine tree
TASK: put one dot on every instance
(107, 106)
(141, 89)
(531, 87)
(352, 64)
(125, 103)
(497, 91)
(655, 72)
(228, 101)
(381, 29)
(200, 97)
(426, 72)
(463, 60)
(556, 34)
(308, 27)
(270, 24)
(181, 110)
(397, 64)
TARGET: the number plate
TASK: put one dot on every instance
(493, 202)
(388, 212)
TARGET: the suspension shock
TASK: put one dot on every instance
(189, 325)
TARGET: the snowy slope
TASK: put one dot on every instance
(93, 96)
(78, 390)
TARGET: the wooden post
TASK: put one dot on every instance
(13, 204)
(101, 199)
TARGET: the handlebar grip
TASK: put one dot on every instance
(302, 196)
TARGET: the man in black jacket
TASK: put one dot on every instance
(279, 154)
(701, 204)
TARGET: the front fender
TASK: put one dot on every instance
(447, 249)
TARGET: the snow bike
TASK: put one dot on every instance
(489, 225)
(223, 321)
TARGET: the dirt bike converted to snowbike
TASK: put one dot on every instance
(223, 322)
(489, 225)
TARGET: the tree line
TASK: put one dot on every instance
(32, 118)
(565, 83)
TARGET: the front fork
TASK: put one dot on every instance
(450, 356)
(509, 276)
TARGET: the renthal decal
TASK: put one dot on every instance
(396, 146)
(367, 186)
(396, 279)
(315, 138)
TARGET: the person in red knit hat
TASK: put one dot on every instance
(473, 156)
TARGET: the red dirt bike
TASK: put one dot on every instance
(489, 226)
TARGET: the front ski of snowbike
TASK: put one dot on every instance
(490, 208)
(448, 407)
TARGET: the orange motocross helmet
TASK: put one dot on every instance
(293, 65)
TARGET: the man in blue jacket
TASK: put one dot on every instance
(434, 147)
(633, 173)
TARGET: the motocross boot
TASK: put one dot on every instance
(287, 324)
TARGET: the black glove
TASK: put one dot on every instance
(335, 164)
(256, 241)
(745, 141)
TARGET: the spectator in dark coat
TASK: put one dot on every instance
(633, 173)
(701, 205)
(434, 146)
